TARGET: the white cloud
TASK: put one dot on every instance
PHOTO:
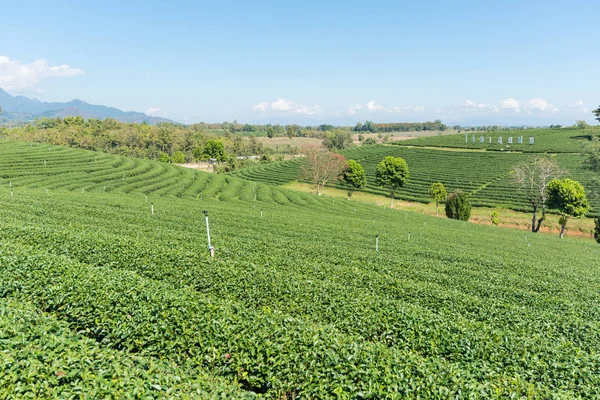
(15, 75)
(153, 110)
(510, 104)
(282, 105)
(538, 104)
(579, 106)
(353, 109)
(262, 106)
(372, 106)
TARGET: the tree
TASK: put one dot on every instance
(354, 177)
(591, 151)
(392, 173)
(338, 139)
(370, 141)
(214, 149)
(270, 132)
(438, 192)
(458, 206)
(596, 112)
(533, 177)
(178, 157)
(581, 124)
(597, 230)
(290, 132)
(321, 166)
(494, 218)
(568, 197)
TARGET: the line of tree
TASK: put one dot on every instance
(372, 127)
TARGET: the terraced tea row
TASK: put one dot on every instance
(297, 303)
(486, 176)
(563, 140)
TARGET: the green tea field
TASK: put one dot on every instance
(108, 291)
(485, 175)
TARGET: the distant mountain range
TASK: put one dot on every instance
(24, 109)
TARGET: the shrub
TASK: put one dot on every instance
(178, 158)
(164, 157)
(597, 231)
(458, 206)
(494, 218)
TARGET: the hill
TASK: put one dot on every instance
(25, 109)
(296, 303)
(485, 175)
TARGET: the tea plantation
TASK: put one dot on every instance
(486, 176)
(99, 297)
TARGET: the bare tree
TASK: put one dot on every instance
(322, 166)
(533, 177)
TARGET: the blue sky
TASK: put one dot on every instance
(310, 62)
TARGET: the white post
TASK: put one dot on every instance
(377, 243)
(46, 190)
(146, 198)
(409, 236)
(82, 189)
(210, 248)
(152, 208)
(11, 192)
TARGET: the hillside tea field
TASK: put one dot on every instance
(98, 296)
(486, 176)
(559, 140)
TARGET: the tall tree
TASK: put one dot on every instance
(533, 177)
(354, 177)
(392, 173)
(321, 166)
(568, 197)
(596, 112)
(438, 192)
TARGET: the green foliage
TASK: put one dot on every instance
(369, 126)
(592, 155)
(486, 176)
(438, 192)
(43, 358)
(596, 112)
(458, 206)
(164, 157)
(568, 197)
(354, 177)
(392, 173)
(337, 140)
(270, 132)
(597, 230)
(565, 140)
(494, 218)
(178, 157)
(122, 301)
(370, 141)
(214, 149)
